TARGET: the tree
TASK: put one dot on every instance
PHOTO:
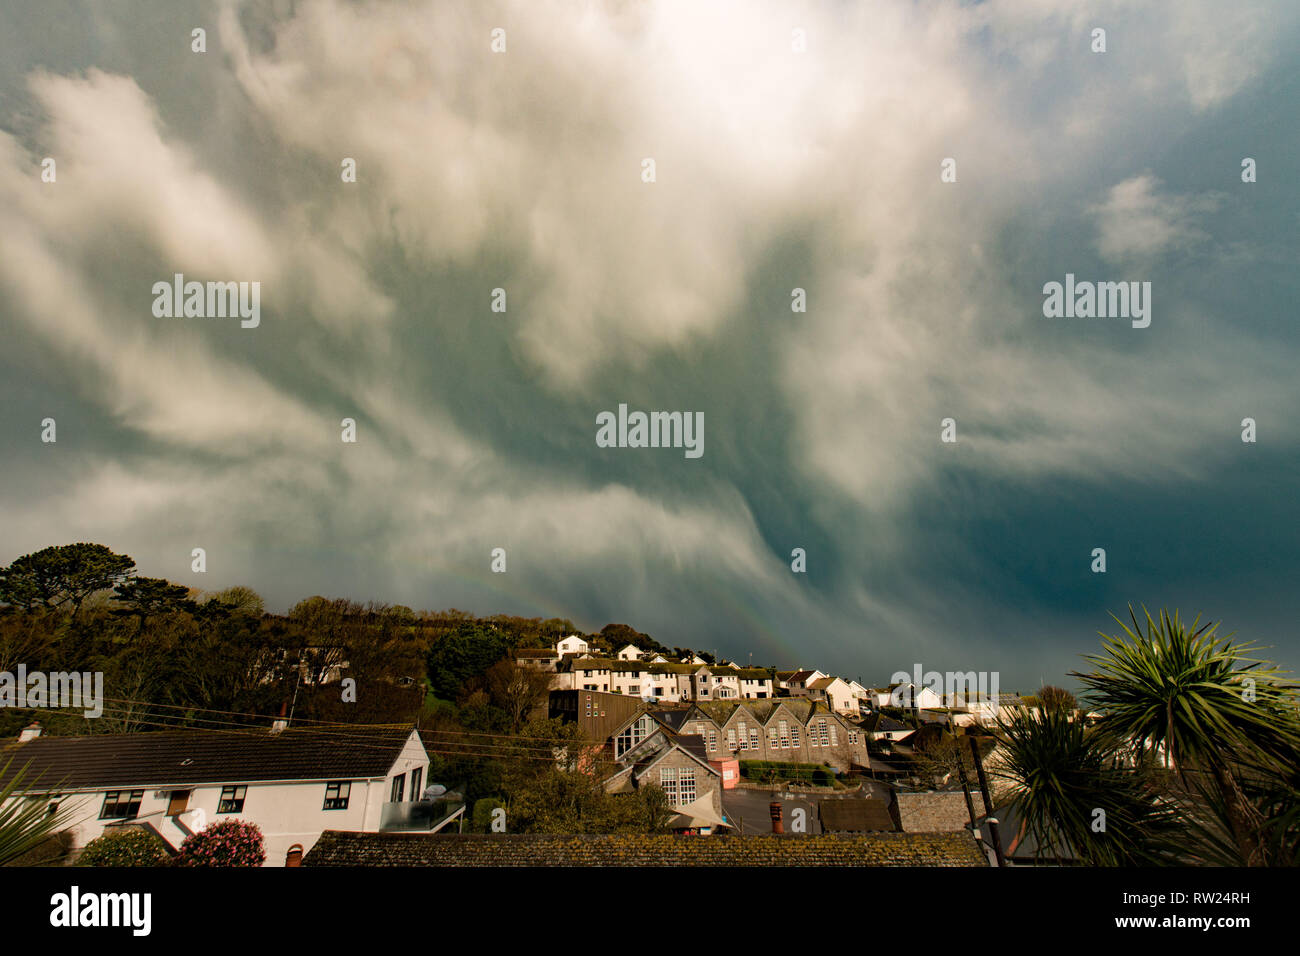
(142, 597)
(463, 656)
(1056, 698)
(64, 574)
(517, 690)
(1225, 721)
(240, 600)
(1064, 780)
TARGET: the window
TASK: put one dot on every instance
(668, 781)
(713, 741)
(744, 737)
(686, 785)
(785, 733)
(399, 788)
(634, 690)
(336, 795)
(417, 778)
(823, 735)
(121, 805)
(794, 736)
(853, 736)
(773, 739)
(753, 738)
(633, 735)
(232, 800)
(834, 737)
(731, 741)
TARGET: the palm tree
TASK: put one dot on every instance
(1225, 722)
(24, 823)
(1074, 796)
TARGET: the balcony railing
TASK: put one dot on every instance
(422, 815)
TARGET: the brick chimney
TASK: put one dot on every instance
(294, 856)
(30, 732)
(774, 808)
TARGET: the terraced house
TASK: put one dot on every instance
(664, 681)
(789, 729)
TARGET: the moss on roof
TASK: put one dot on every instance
(337, 848)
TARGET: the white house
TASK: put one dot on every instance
(799, 683)
(629, 652)
(572, 644)
(837, 693)
(907, 694)
(294, 784)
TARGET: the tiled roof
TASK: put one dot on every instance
(857, 815)
(164, 758)
(338, 848)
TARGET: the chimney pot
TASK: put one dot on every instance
(774, 808)
(30, 732)
(294, 856)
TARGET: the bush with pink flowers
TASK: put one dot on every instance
(228, 843)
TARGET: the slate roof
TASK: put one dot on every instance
(162, 758)
(339, 848)
(857, 815)
(880, 723)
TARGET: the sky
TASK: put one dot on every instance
(794, 146)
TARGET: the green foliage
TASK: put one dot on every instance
(125, 847)
(772, 771)
(25, 823)
(463, 657)
(62, 575)
(481, 818)
(1059, 774)
(227, 843)
(1228, 725)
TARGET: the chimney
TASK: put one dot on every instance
(281, 722)
(294, 856)
(30, 732)
(774, 808)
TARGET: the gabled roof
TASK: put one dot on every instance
(882, 723)
(798, 677)
(162, 758)
(540, 652)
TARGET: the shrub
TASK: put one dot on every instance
(481, 818)
(228, 843)
(123, 847)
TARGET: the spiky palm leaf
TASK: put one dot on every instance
(24, 823)
(1181, 688)
(1226, 721)
(1060, 773)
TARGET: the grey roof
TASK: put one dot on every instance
(857, 815)
(168, 757)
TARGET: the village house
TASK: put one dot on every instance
(836, 692)
(293, 784)
(800, 731)
(572, 644)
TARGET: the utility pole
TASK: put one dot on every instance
(988, 803)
